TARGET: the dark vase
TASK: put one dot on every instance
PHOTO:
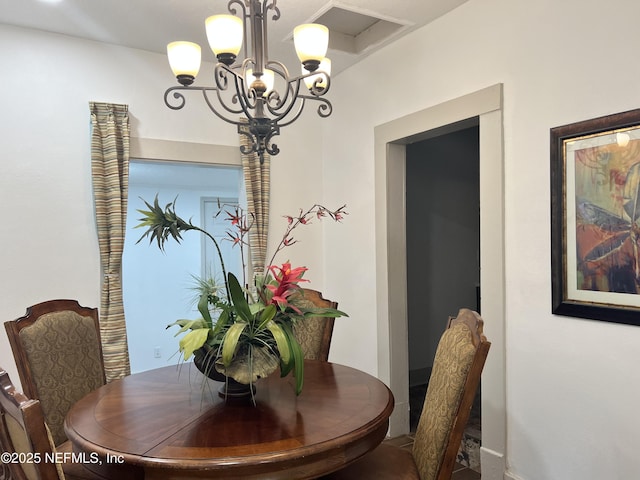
(230, 388)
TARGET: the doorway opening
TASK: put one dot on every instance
(159, 287)
(443, 257)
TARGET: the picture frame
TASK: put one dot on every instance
(595, 218)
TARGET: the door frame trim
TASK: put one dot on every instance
(392, 327)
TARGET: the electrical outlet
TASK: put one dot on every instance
(156, 352)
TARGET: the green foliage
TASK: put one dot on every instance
(234, 324)
(230, 344)
(193, 341)
(283, 344)
(239, 301)
(298, 358)
(162, 224)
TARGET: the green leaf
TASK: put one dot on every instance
(282, 342)
(324, 312)
(237, 295)
(222, 321)
(267, 315)
(193, 341)
(297, 357)
(188, 325)
(203, 308)
(256, 308)
(231, 342)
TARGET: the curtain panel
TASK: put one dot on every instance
(110, 173)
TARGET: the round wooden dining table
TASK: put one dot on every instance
(170, 423)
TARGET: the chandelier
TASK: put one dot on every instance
(255, 87)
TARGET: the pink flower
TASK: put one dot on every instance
(287, 283)
(234, 219)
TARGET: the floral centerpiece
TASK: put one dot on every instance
(243, 333)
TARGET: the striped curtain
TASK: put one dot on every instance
(110, 172)
(257, 179)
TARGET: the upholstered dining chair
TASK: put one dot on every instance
(459, 360)
(24, 432)
(58, 354)
(314, 334)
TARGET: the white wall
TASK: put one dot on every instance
(48, 244)
(571, 384)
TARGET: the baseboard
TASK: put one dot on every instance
(399, 421)
(511, 476)
(493, 465)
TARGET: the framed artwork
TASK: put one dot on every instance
(595, 218)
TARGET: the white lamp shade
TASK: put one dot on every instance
(268, 77)
(224, 33)
(184, 58)
(311, 41)
(325, 66)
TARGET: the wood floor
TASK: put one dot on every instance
(459, 472)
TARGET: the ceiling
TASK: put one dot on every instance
(358, 27)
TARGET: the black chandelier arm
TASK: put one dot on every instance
(253, 147)
(267, 146)
(297, 101)
(266, 6)
(215, 111)
(181, 101)
(325, 108)
(242, 97)
(293, 89)
(280, 106)
(220, 76)
(179, 97)
(300, 101)
(272, 5)
(276, 101)
(241, 3)
(320, 85)
(247, 95)
(271, 149)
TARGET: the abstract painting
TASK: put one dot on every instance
(595, 210)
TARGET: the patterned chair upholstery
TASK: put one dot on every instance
(58, 354)
(23, 431)
(314, 334)
(457, 367)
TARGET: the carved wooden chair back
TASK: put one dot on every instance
(314, 334)
(58, 354)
